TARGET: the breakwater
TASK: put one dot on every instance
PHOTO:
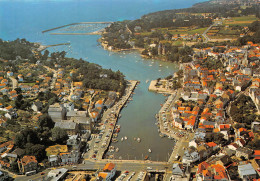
(71, 24)
(43, 47)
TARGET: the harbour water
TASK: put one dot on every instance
(27, 18)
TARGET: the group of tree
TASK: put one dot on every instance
(255, 38)
(9, 50)
(92, 75)
(34, 141)
(243, 110)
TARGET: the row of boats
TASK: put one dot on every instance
(135, 139)
(113, 149)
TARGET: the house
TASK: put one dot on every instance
(233, 146)
(190, 156)
(224, 160)
(57, 112)
(241, 142)
(4, 146)
(69, 157)
(85, 123)
(246, 172)
(179, 171)
(53, 153)
(94, 116)
(244, 152)
(9, 73)
(74, 142)
(3, 122)
(11, 114)
(211, 172)
(255, 126)
(69, 106)
(27, 164)
(20, 78)
(37, 106)
(71, 128)
(212, 145)
(57, 174)
(108, 172)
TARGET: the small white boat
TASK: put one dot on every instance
(117, 149)
(122, 139)
(160, 65)
(125, 138)
(149, 150)
(134, 138)
(138, 140)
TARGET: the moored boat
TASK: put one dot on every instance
(138, 140)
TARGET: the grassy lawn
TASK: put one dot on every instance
(245, 18)
(181, 30)
(229, 32)
(178, 43)
(187, 31)
(146, 33)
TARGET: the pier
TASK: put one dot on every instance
(71, 24)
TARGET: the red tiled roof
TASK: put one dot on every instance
(109, 166)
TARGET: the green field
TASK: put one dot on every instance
(177, 31)
(241, 21)
(190, 32)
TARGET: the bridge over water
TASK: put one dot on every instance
(80, 23)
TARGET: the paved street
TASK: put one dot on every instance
(121, 165)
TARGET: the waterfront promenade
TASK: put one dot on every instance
(166, 129)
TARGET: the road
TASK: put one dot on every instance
(14, 82)
(205, 33)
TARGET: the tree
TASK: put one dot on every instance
(14, 167)
(18, 90)
(36, 150)
(45, 55)
(46, 121)
(59, 135)
(26, 136)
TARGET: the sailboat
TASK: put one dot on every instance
(138, 140)
(122, 139)
(149, 150)
(125, 138)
